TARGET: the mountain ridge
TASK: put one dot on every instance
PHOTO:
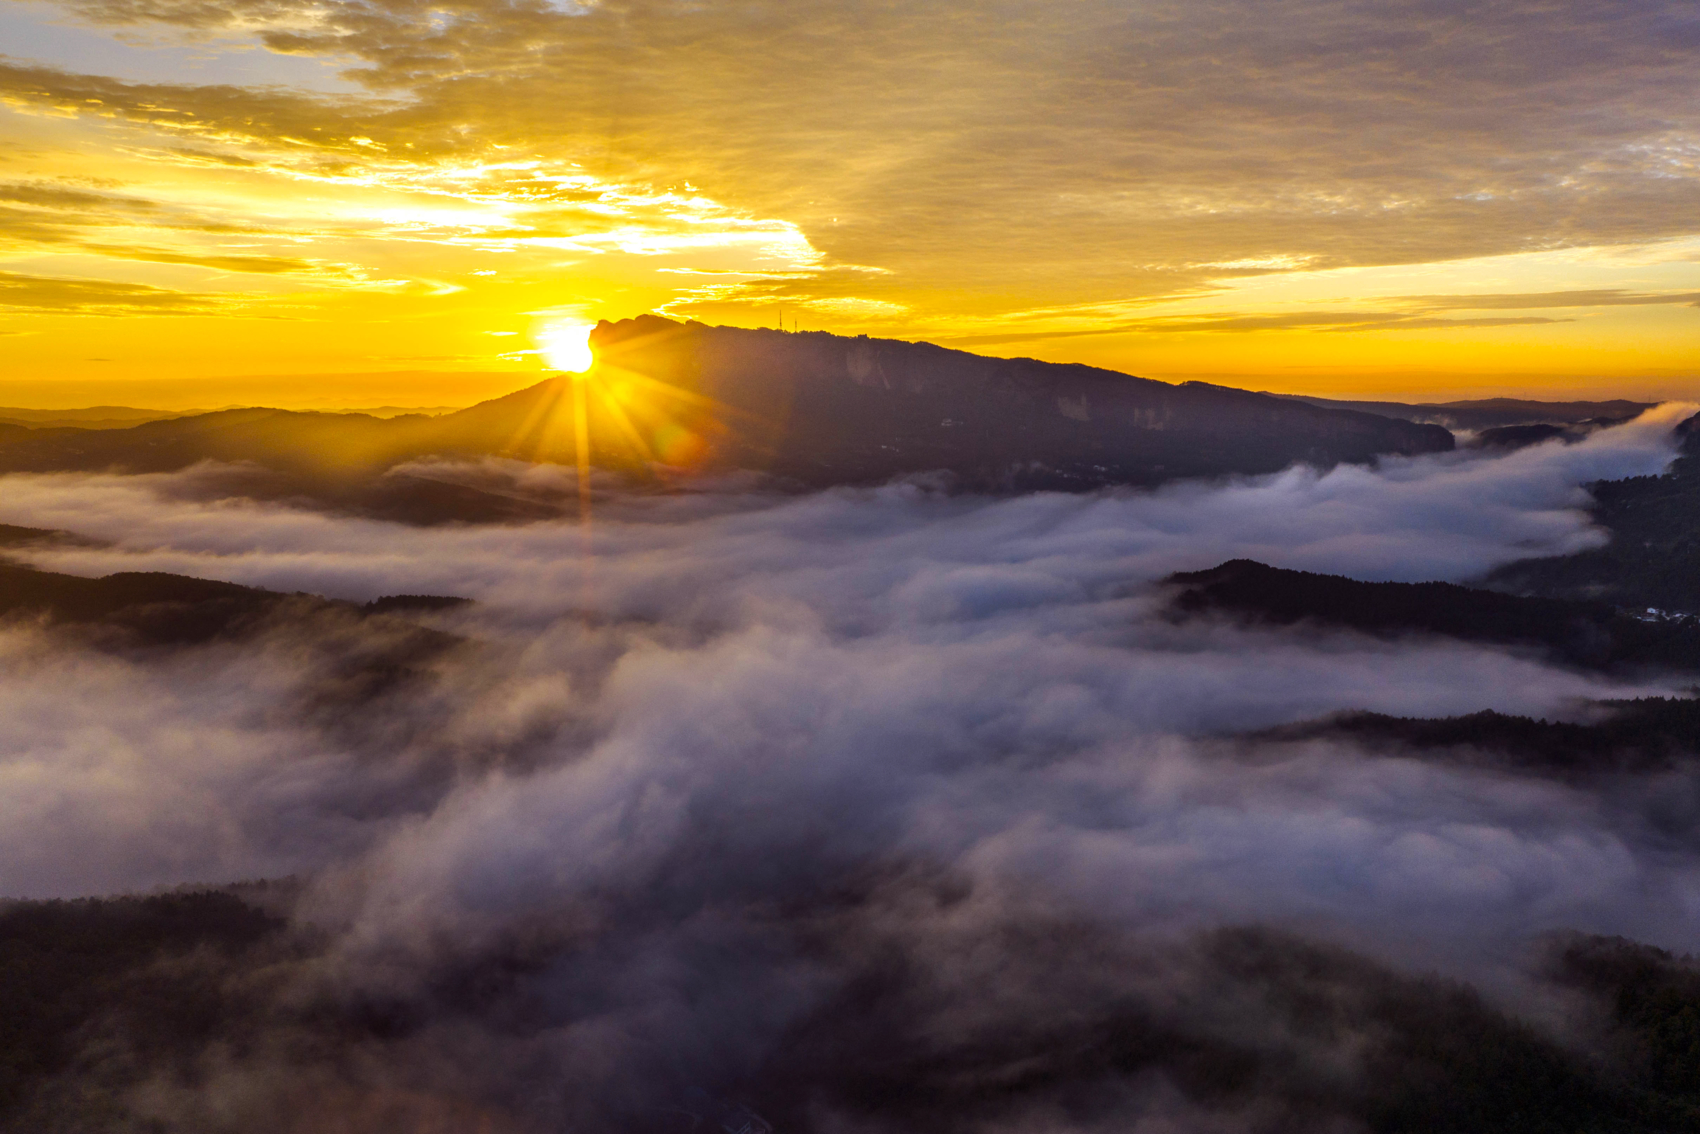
(820, 408)
(810, 409)
(1489, 413)
(1653, 558)
(1585, 634)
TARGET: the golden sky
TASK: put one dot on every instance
(360, 202)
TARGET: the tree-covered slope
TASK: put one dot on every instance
(1653, 559)
(1591, 634)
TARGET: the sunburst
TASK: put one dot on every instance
(566, 346)
(633, 419)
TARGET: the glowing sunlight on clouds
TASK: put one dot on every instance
(1100, 185)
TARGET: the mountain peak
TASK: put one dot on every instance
(811, 409)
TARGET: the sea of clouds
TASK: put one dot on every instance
(664, 730)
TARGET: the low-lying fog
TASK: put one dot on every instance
(716, 703)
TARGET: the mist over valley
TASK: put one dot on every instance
(353, 778)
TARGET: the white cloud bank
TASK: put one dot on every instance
(851, 673)
(749, 702)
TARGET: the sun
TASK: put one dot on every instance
(566, 346)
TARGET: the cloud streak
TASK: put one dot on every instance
(21, 292)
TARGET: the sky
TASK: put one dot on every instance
(330, 202)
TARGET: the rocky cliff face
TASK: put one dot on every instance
(822, 408)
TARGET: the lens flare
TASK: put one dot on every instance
(566, 346)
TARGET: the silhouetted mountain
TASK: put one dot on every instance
(814, 408)
(1645, 735)
(823, 409)
(1653, 559)
(1591, 634)
(1524, 436)
(317, 444)
(91, 417)
(1490, 413)
(94, 417)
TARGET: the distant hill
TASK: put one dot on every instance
(132, 414)
(1489, 413)
(123, 417)
(1653, 559)
(1522, 436)
(339, 460)
(1645, 735)
(814, 409)
(1589, 634)
(90, 417)
(152, 608)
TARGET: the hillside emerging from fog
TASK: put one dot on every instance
(1653, 557)
(1592, 635)
(811, 409)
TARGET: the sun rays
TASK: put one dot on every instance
(602, 409)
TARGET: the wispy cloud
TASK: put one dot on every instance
(1289, 321)
(19, 292)
(1031, 159)
(1606, 297)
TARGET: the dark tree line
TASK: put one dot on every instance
(100, 996)
(1643, 735)
(1591, 634)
